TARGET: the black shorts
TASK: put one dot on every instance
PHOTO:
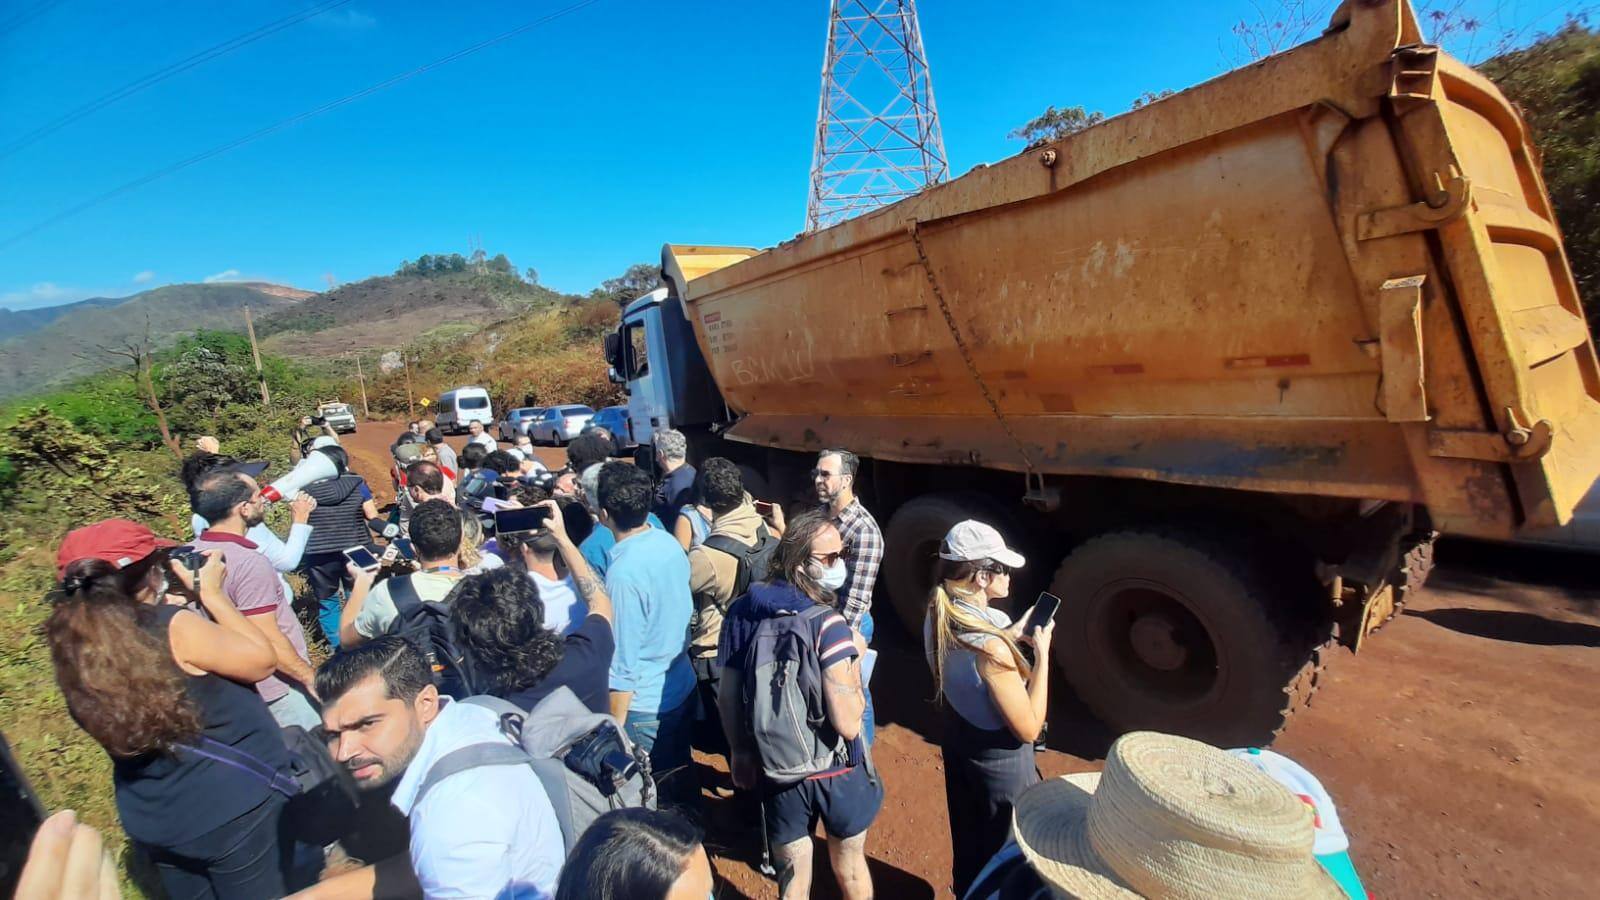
(846, 804)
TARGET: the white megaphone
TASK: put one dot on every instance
(315, 467)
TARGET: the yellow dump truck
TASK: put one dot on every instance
(1224, 365)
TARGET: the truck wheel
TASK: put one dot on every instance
(1171, 632)
(912, 538)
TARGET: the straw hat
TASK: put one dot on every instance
(1170, 818)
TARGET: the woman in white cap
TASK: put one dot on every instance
(993, 697)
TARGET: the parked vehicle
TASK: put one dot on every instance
(560, 424)
(462, 406)
(517, 421)
(339, 416)
(615, 420)
(1229, 360)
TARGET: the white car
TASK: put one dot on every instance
(560, 424)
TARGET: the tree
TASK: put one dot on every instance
(1054, 124)
(531, 275)
(1278, 25)
(499, 264)
(638, 280)
(135, 354)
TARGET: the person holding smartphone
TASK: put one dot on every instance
(992, 697)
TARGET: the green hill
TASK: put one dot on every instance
(70, 345)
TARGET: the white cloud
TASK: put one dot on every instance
(346, 18)
(144, 277)
(224, 275)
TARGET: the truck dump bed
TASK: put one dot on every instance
(1334, 272)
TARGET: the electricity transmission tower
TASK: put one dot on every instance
(878, 137)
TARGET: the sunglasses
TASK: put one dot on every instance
(827, 559)
(996, 569)
(824, 473)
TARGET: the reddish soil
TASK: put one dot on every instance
(1460, 745)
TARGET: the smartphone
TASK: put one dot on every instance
(1043, 611)
(516, 521)
(363, 559)
(21, 814)
(764, 507)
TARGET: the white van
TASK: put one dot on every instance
(463, 405)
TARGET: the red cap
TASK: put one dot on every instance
(117, 541)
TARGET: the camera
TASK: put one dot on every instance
(319, 421)
(600, 758)
(190, 558)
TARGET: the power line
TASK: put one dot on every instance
(21, 18)
(160, 75)
(286, 123)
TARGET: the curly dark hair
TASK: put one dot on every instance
(501, 461)
(586, 450)
(720, 485)
(625, 494)
(498, 620)
(118, 677)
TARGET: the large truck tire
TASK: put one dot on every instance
(1169, 631)
(912, 550)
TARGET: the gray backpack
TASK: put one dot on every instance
(584, 760)
(783, 699)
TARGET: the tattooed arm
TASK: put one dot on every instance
(841, 691)
(590, 587)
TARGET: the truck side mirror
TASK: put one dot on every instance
(613, 343)
(611, 373)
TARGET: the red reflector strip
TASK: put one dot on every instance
(713, 318)
(1268, 362)
(1118, 369)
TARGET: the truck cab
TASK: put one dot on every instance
(653, 354)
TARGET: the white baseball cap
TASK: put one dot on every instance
(971, 541)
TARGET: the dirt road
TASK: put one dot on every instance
(369, 454)
(1462, 745)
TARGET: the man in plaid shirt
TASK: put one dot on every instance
(835, 479)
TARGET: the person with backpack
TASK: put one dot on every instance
(481, 819)
(993, 697)
(414, 605)
(737, 550)
(789, 658)
(502, 626)
(340, 521)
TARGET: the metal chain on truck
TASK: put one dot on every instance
(1033, 477)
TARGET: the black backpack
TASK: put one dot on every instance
(753, 560)
(426, 624)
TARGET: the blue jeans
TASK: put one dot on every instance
(328, 610)
(868, 724)
(665, 735)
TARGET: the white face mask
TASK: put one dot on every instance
(831, 578)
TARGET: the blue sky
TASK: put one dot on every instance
(577, 148)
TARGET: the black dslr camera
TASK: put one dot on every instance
(600, 758)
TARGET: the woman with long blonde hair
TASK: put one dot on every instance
(992, 696)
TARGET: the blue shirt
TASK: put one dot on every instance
(649, 586)
(596, 548)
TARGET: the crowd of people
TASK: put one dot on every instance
(508, 710)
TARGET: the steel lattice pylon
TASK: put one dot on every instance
(878, 137)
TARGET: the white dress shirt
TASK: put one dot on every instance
(485, 832)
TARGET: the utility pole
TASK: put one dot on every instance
(405, 362)
(878, 138)
(250, 326)
(365, 413)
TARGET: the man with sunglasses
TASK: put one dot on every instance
(835, 480)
